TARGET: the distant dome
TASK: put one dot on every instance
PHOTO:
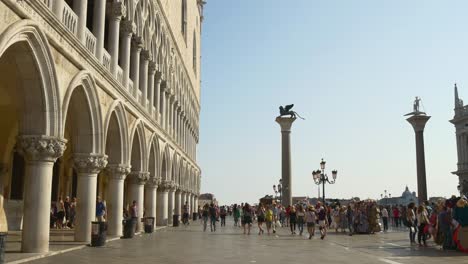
(406, 193)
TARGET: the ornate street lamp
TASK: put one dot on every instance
(320, 177)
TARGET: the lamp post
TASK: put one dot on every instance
(320, 177)
(278, 189)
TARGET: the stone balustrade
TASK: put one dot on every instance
(90, 41)
(106, 59)
(69, 19)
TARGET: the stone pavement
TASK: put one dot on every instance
(228, 245)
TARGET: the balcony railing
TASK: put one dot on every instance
(69, 19)
(106, 59)
(90, 41)
(119, 75)
(48, 3)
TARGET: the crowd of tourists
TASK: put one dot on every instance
(441, 221)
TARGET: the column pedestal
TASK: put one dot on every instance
(286, 124)
(40, 153)
(115, 197)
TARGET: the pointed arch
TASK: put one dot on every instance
(154, 157)
(85, 81)
(116, 121)
(138, 147)
(43, 117)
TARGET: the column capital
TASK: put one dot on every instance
(418, 122)
(41, 148)
(137, 43)
(153, 182)
(285, 123)
(145, 54)
(89, 163)
(118, 171)
(138, 177)
(152, 67)
(127, 27)
(116, 10)
(166, 185)
(159, 77)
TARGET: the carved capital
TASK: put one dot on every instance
(127, 27)
(159, 77)
(166, 185)
(137, 43)
(152, 67)
(138, 177)
(116, 10)
(118, 171)
(153, 182)
(41, 148)
(89, 163)
(145, 54)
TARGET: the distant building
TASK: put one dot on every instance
(206, 198)
(405, 198)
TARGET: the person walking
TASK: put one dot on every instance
(260, 218)
(350, 219)
(292, 219)
(423, 220)
(66, 206)
(213, 217)
(323, 222)
(101, 209)
(385, 219)
(222, 215)
(269, 218)
(411, 218)
(60, 213)
(205, 214)
(300, 219)
(72, 212)
(186, 215)
(236, 214)
(311, 218)
(396, 216)
(247, 218)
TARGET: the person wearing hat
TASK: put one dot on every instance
(311, 218)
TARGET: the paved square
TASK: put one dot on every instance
(228, 245)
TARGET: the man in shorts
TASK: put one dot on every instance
(323, 222)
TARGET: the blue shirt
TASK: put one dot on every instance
(100, 209)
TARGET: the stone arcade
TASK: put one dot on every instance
(98, 98)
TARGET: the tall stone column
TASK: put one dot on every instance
(87, 167)
(144, 62)
(419, 122)
(135, 62)
(137, 180)
(81, 8)
(162, 203)
(40, 153)
(178, 203)
(171, 203)
(151, 74)
(115, 198)
(151, 196)
(286, 124)
(99, 18)
(127, 29)
(116, 10)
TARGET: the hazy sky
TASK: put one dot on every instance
(352, 69)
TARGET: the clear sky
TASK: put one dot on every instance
(352, 69)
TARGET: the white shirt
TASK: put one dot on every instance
(384, 213)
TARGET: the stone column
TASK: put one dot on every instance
(40, 153)
(99, 17)
(157, 94)
(171, 203)
(419, 122)
(163, 106)
(127, 29)
(116, 10)
(81, 8)
(87, 167)
(115, 198)
(285, 124)
(151, 196)
(151, 73)
(195, 204)
(137, 180)
(178, 203)
(191, 204)
(162, 203)
(137, 45)
(57, 8)
(144, 62)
